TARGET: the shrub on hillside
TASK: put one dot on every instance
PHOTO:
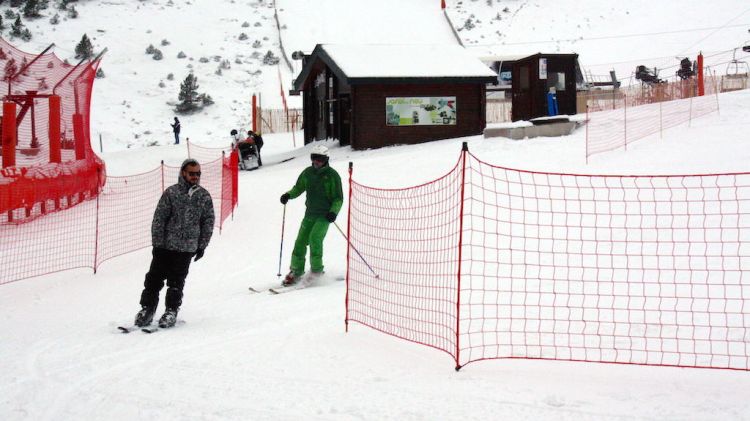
(270, 59)
(84, 49)
(190, 100)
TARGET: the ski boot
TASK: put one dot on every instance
(145, 316)
(313, 277)
(169, 318)
(291, 279)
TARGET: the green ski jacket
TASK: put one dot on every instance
(323, 187)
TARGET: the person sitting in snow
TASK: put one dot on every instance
(245, 147)
(257, 140)
(324, 200)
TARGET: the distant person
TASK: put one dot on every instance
(176, 131)
(324, 199)
(236, 138)
(245, 147)
(180, 231)
(257, 140)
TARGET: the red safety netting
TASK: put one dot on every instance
(621, 269)
(115, 222)
(202, 153)
(229, 195)
(642, 115)
(46, 150)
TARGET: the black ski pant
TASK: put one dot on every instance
(172, 266)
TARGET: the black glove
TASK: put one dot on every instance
(199, 254)
(284, 198)
(331, 217)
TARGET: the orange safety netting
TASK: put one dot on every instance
(115, 222)
(47, 160)
(489, 262)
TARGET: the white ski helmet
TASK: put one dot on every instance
(319, 150)
(320, 153)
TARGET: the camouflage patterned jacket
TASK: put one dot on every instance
(184, 218)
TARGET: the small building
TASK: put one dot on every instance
(370, 96)
(534, 77)
(527, 79)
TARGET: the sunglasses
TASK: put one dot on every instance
(194, 173)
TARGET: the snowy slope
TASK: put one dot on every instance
(241, 356)
(607, 35)
(132, 110)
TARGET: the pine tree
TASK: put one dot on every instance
(31, 9)
(188, 94)
(16, 30)
(84, 49)
(10, 69)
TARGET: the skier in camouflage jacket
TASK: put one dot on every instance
(181, 229)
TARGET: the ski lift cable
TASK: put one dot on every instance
(614, 36)
(726, 25)
(709, 64)
(642, 60)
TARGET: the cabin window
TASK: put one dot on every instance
(556, 80)
(523, 78)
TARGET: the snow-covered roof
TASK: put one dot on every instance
(397, 61)
(506, 57)
(388, 63)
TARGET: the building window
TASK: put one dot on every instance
(556, 80)
(524, 78)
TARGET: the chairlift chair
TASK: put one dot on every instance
(737, 69)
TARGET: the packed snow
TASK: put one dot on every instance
(241, 355)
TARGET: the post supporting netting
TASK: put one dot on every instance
(488, 262)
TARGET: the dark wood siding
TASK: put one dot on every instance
(371, 131)
(531, 101)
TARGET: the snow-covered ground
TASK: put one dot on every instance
(132, 110)
(607, 35)
(256, 356)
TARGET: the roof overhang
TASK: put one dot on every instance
(320, 57)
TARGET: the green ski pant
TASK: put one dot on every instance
(312, 232)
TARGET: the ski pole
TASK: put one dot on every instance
(358, 253)
(281, 248)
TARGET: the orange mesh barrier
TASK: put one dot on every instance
(103, 226)
(46, 149)
(489, 262)
(628, 119)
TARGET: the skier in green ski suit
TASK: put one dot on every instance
(324, 199)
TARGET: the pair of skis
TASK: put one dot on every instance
(146, 329)
(279, 290)
(302, 284)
